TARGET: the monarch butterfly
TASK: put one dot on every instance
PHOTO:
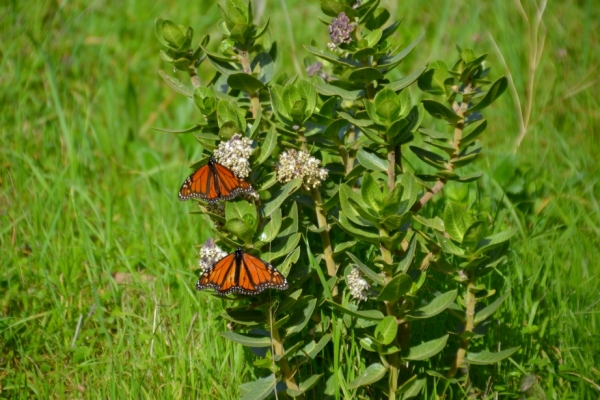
(213, 182)
(242, 273)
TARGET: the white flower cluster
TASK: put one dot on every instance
(210, 253)
(299, 164)
(357, 284)
(234, 155)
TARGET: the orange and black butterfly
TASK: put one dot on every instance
(213, 182)
(242, 273)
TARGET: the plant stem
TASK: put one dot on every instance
(245, 61)
(391, 170)
(284, 366)
(322, 221)
(390, 307)
(458, 133)
(469, 325)
(193, 73)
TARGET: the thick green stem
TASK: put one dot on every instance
(245, 61)
(470, 302)
(324, 226)
(286, 371)
(390, 307)
(391, 168)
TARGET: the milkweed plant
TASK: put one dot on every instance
(387, 296)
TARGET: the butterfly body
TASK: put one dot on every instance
(213, 182)
(242, 273)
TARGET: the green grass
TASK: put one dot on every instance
(98, 258)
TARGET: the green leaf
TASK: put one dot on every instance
(229, 111)
(351, 201)
(268, 145)
(271, 228)
(473, 235)
(247, 339)
(344, 62)
(372, 374)
(391, 61)
(495, 240)
(473, 133)
(361, 123)
(371, 193)
(487, 358)
(411, 189)
(259, 389)
(434, 223)
(431, 158)
(194, 128)
(289, 224)
(280, 196)
(313, 349)
(374, 276)
(331, 90)
(396, 288)
(406, 81)
(493, 93)
(365, 75)
(483, 314)
(447, 245)
(308, 94)
(435, 306)
(169, 33)
(358, 232)
(369, 344)
(371, 315)
(300, 319)
(387, 106)
(455, 221)
(427, 349)
(278, 104)
(262, 30)
(333, 8)
(266, 65)
(440, 111)
(371, 161)
(286, 265)
(176, 84)
(281, 247)
(433, 134)
(411, 388)
(305, 385)
(376, 19)
(244, 316)
(245, 82)
(433, 81)
(386, 330)
(404, 264)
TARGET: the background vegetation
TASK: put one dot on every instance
(97, 283)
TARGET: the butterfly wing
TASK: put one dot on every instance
(257, 275)
(229, 185)
(221, 276)
(247, 275)
(199, 185)
(213, 182)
